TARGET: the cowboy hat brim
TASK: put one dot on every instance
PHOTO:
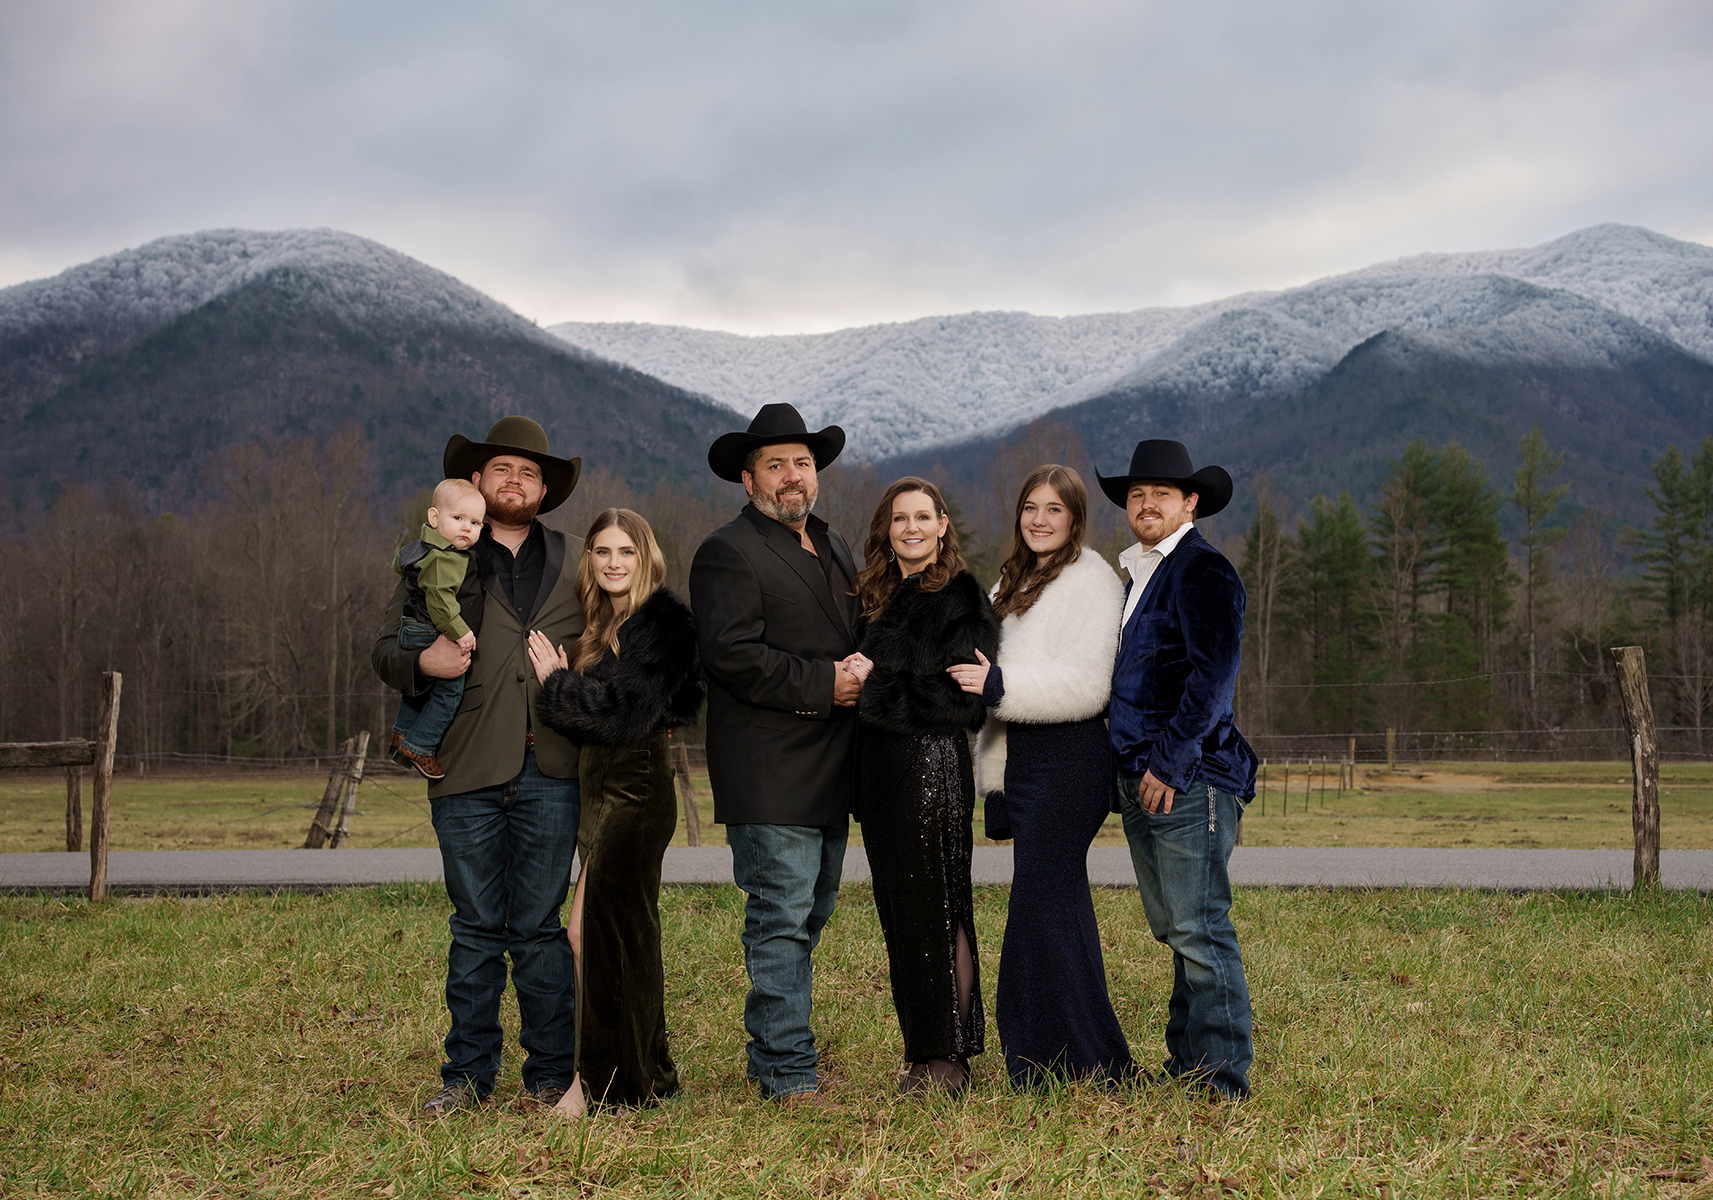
(465, 458)
(1212, 486)
(726, 456)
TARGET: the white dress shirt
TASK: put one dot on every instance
(1142, 563)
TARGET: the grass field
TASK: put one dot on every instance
(1408, 1044)
(1561, 805)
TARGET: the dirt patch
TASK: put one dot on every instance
(1427, 781)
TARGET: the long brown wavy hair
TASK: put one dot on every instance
(602, 621)
(1021, 580)
(876, 582)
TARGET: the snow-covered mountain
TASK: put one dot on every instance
(144, 365)
(138, 290)
(1588, 299)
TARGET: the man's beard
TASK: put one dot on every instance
(511, 509)
(788, 511)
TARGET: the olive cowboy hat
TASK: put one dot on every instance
(1161, 461)
(524, 438)
(774, 425)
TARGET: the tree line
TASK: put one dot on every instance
(243, 628)
(1418, 613)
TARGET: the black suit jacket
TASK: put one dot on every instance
(770, 629)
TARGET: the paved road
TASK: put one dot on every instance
(203, 871)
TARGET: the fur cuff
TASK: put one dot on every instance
(990, 757)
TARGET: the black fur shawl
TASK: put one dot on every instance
(655, 681)
(912, 641)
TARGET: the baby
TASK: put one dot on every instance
(443, 595)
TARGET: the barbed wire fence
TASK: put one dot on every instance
(1587, 743)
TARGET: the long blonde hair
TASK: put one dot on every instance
(1021, 581)
(876, 582)
(601, 619)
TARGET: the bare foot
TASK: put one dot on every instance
(572, 1104)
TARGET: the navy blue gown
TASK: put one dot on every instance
(1054, 1015)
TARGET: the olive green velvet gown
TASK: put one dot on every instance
(629, 814)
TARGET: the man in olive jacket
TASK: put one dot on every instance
(774, 619)
(506, 813)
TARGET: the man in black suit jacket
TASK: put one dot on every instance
(774, 617)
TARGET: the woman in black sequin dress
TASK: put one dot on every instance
(922, 612)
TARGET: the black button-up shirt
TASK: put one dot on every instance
(519, 574)
(837, 580)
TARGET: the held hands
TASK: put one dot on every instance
(467, 643)
(848, 676)
(545, 657)
(971, 678)
(444, 659)
(1152, 792)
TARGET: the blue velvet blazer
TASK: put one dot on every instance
(1176, 672)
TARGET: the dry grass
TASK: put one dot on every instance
(234, 810)
(1556, 805)
(1564, 806)
(1409, 1044)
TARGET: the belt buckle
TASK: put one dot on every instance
(529, 740)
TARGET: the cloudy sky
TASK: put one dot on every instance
(786, 165)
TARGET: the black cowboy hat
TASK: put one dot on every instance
(1163, 461)
(524, 438)
(773, 425)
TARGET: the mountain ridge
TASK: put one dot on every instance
(1006, 369)
(144, 364)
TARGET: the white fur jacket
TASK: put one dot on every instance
(1055, 660)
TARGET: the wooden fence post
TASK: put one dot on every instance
(74, 808)
(107, 734)
(1391, 749)
(353, 778)
(1644, 761)
(321, 825)
(687, 793)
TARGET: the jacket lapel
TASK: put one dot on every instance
(550, 570)
(842, 553)
(490, 575)
(843, 560)
(789, 551)
(810, 574)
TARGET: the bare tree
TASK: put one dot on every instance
(1265, 559)
(1537, 502)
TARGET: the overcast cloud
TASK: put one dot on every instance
(789, 165)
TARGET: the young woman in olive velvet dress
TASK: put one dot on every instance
(632, 675)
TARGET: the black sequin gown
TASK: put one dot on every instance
(918, 797)
(916, 801)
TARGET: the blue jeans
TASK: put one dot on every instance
(791, 873)
(424, 719)
(1181, 860)
(507, 856)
